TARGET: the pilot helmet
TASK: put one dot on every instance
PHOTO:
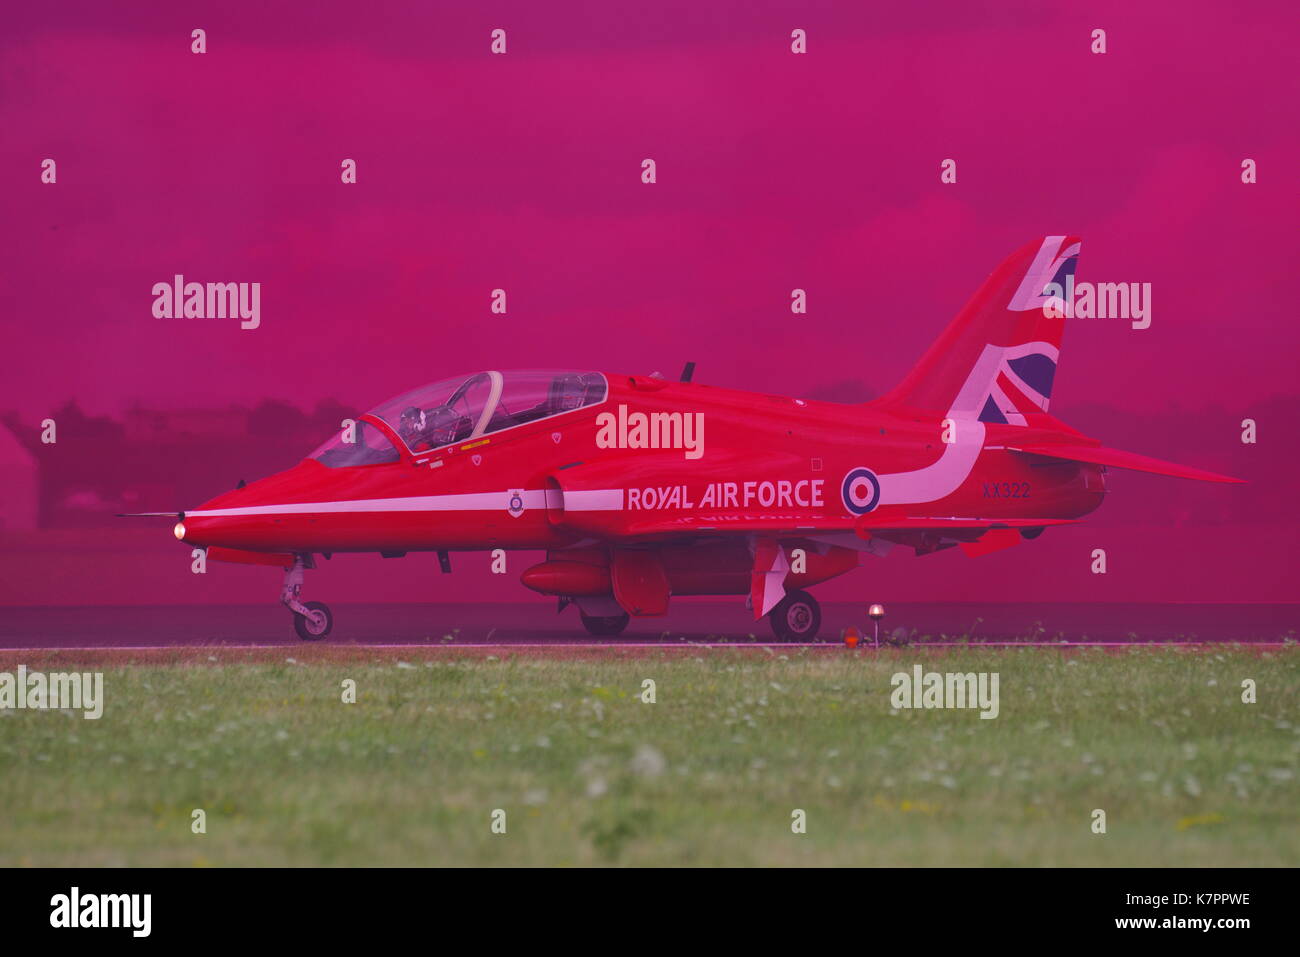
(412, 421)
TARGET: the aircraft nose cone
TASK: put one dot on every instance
(232, 519)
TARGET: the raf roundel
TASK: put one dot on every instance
(860, 491)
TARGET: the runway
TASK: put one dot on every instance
(689, 623)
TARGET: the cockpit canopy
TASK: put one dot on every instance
(456, 410)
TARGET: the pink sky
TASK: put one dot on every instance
(521, 171)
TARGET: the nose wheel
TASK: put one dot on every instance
(316, 623)
(312, 620)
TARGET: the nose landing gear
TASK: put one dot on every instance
(311, 620)
(316, 623)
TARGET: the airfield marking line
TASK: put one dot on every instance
(387, 647)
(542, 646)
(1176, 643)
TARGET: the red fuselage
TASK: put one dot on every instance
(762, 461)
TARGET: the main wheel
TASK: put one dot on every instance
(318, 625)
(796, 617)
(605, 625)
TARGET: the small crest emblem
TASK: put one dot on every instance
(515, 504)
(555, 437)
(476, 459)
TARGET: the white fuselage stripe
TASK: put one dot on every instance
(593, 500)
(588, 501)
(941, 478)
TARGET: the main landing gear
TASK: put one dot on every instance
(796, 617)
(604, 625)
(312, 620)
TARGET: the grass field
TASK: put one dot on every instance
(709, 774)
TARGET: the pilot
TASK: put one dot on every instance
(412, 428)
(567, 394)
(423, 429)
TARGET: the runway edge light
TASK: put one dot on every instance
(875, 613)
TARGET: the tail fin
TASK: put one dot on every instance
(996, 360)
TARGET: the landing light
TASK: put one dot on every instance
(179, 530)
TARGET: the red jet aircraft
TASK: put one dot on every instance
(639, 488)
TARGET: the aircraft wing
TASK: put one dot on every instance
(734, 525)
(1098, 455)
(867, 524)
(864, 527)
